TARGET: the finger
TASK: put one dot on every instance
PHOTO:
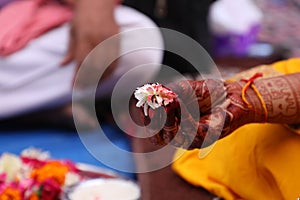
(136, 113)
(201, 95)
(75, 78)
(187, 96)
(178, 122)
(202, 137)
(70, 55)
(85, 75)
(211, 128)
(203, 133)
(164, 125)
(216, 91)
(67, 58)
(187, 128)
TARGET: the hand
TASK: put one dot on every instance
(206, 108)
(93, 23)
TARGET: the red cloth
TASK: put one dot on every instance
(21, 21)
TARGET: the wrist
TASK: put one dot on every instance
(281, 97)
(255, 103)
(100, 3)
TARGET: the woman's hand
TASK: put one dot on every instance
(93, 23)
(206, 109)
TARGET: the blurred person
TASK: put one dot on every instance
(189, 17)
(44, 44)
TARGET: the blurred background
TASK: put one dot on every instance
(237, 34)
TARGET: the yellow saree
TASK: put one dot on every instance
(255, 162)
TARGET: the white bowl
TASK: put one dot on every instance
(103, 189)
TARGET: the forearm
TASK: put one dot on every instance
(281, 96)
(101, 7)
(102, 3)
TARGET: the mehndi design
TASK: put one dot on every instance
(196, 109)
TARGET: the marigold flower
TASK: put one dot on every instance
(10, 194)
(52, 170)
(34, 176)
(33, 196)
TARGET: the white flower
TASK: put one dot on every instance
(153, 96)
(35, 153)
(71, 179)
(10, 164)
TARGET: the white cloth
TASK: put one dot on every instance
(33, 78)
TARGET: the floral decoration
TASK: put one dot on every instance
(154, 96)
(35, 176)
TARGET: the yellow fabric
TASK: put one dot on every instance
(288, 66)
(255, 162)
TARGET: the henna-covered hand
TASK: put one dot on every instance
(203, 110)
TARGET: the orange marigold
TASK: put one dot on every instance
(10, 194)
(33, 196)
(51, 170)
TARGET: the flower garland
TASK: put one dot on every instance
(154, 96)
(34, 176)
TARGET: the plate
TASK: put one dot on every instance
(101, 184)
(104, 189)
(91, 171)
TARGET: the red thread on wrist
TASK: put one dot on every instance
(249, 83)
